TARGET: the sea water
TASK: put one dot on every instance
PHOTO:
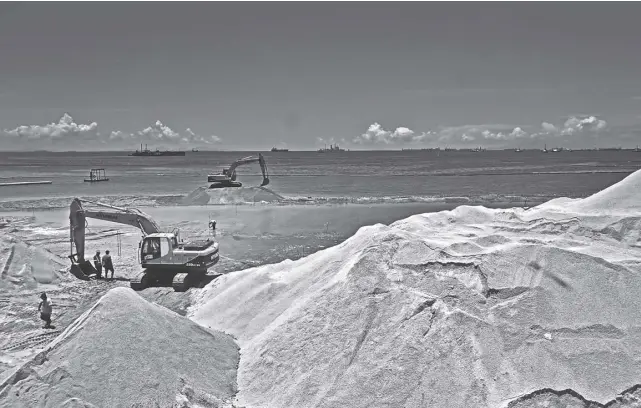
(312, 177)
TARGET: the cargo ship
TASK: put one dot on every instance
(331, 148)
(157, 152)
(276, 149)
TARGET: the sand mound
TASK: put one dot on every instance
(620, 198)
(126, 351)
(240, 195)
(24, 266)
(547, 398)
(465, 308)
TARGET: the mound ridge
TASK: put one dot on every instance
(126, 351)
(622, 197)
(470, 307)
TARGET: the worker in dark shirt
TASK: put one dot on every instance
(107, 264)
(97, 264)
(45, 310)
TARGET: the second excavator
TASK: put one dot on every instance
(163, 256)
(228, 176)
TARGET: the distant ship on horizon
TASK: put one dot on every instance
(276, 149)
(331, 148)
(148, 152)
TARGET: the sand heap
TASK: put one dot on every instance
(621, 198)
(227, 196)
(24, 266)
(125, 351)
(466, 308)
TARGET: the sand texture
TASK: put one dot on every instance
(473, 307)
(123, 352)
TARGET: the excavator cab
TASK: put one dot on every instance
(150, 248)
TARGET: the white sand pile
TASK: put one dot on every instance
(126, 351)
(226, 196)
(620, 198)
(24, 266)
(466, 308)
(630, 398)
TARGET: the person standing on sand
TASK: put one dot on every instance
(45, 310)
(107, 264)
(97, 264)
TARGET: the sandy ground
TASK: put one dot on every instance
(248, 235)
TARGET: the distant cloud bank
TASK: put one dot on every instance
(489, 135)
(66, 134)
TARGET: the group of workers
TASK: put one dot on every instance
(45, 308)
(104, 262)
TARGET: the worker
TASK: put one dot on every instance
(107, 264)
(97, 264)
(45, 310)
(212, 225)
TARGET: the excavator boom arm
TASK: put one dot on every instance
(231, 171)
(263, 168)
(78, 216)
(240, 162)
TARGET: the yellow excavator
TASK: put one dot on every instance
(164, 257)
(227, 178)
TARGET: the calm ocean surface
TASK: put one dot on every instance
(343, 177)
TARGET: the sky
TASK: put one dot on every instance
(366, 75)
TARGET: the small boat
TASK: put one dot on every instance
(96, 175)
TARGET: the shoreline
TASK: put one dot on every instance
(444, 203)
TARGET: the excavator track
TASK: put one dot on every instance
(181, 282)
(140, 281)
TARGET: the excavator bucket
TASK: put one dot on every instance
(83, 271)
(265, 182)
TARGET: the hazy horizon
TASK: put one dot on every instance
(369, 76)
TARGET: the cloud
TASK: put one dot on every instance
(487, 134)
(548, 127)
(160, 133)
(67, 134)
(65, 128)
(573, 126)
(375, 134)
(591, 123)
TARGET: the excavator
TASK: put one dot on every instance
(228, 176)
(163, 256)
